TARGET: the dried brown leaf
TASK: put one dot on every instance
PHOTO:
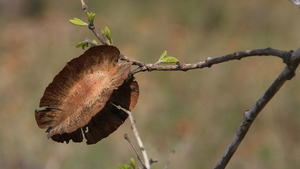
(79, 97)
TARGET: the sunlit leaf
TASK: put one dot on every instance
(163, 55)
(164, 58)
(81, 45)
(91, 17)
(85, 44)
(94, 41)
(124, 166)
(78, 22)
(108, 35)
(169, 59)
(132, 163)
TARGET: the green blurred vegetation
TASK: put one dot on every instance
(195, 112)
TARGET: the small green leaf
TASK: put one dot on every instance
(132, 163)
(163, 55)
(124, 166)
(94, 41)
(81, 44)
(164, 58)
(169, 59)
(91, 17)
(108, 35)
(78, 22)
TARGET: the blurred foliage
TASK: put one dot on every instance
(195, 112)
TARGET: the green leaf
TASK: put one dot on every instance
(163, 55)
(164, 58)
(124, 166)
(169, 59)
(132, 163)
(85, 44)
(78, 22)
(94, 41)
(81, 44)
(108, 35)
(91, 17)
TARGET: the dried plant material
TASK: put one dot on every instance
(78, 101)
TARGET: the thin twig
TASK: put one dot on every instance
(134, 62)
(91, 26)
(209, 61)
(153, 161)
(249, 116)
(137, 136)
(84, 6)
(99, 37)
(136, 152)
(88, 41)
(172, 152)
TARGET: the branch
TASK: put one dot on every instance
(92, 27)
(172, 152)
(249, 116)
(88, 41)
(183, 66)
(84, 7)
(291, 59)
(208, 62)
(136, 152)
(137, 136)
(101, 37)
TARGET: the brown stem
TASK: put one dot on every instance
(249, 116)
(284, 55)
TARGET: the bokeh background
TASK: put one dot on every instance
(195, 113)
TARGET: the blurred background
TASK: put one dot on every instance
(196, 113)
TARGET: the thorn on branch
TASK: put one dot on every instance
(247, 119)
(238, 56)
(151, 161)
(247, 116)
(208, 62)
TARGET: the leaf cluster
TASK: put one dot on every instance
(91, 18)
(163, 59)
(86, 44)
